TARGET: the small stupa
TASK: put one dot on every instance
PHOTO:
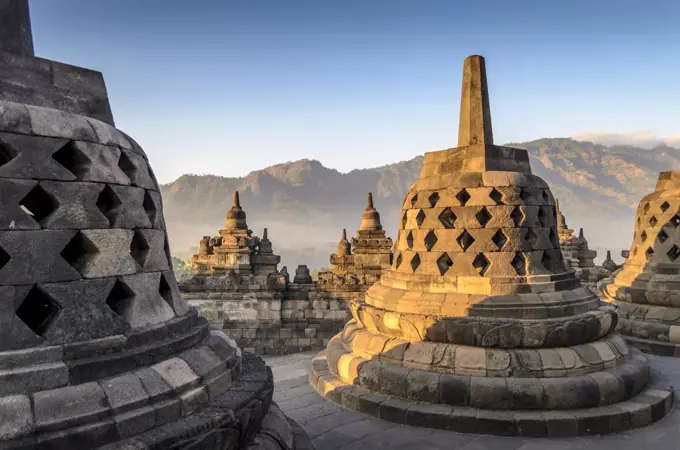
(478, 326)
(647, 288)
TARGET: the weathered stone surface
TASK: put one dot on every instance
(491, 319)
(16, 417)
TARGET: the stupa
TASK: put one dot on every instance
(647, 288)
(97, 347)
(477, 326)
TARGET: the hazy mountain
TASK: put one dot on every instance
(305, 205)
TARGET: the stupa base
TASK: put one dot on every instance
(648, 406)
(242, 417)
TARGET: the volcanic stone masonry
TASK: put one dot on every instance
(97, 347)
(237, 286)
(647, 289)
(478, 326)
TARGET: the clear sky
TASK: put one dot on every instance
(226, 87)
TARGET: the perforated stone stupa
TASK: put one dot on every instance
(97, 347)
(478, 326)
(647, 288)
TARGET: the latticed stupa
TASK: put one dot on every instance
(97, 347)
(478, 326)
(647, 288)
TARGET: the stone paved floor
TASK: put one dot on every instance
(333, 428)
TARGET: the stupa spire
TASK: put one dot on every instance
(475, 114)
(344, 234)
(370, 201)
(237, 200)
(15, 27)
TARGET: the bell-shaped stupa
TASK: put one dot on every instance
(647, 288)
(97, 347)
(478, 326)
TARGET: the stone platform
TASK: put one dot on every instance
(334, 428)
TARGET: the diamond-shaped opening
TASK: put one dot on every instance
(414, 199)
(517, 216)
(166, 249)
(409, 240)
(635, 250)
(433, 199)
(109, 203)
(78, 250)
(4, 258)
(420, 218)
(72, 159)
(662, 236)
(665, 206)
(38, 311)
(430, 240)
(519, 263)
(415, 262)
(398, 261)
(150, 207)
(444, 263)
(481, 263)
(165, 290)
(675, 220)
(649, 253)
(465, 240)
(483, 216)
(542, 216)
(404, 219)
(126, 165)
(120, 299)
(39, 204)
(646, 208)
(673, 252)
(463, 197)
(499, 239)
(554, 238)
(643, 236)
(6, 154)
(547, 260)
(496, 196)
(531, 237)
(447, 218)
(653, 221)
(139, 248)
(546, 197)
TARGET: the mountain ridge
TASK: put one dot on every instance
(305, 205)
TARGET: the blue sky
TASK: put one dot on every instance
(226, 87)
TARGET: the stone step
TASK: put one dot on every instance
(647, 407)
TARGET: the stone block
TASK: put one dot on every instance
(193, 399)
(33, 378)
(126, 207)
(102, 253)
(16, 417)
(32, 158)
(154, 384)
(134, 422)
(124, 392)
(69, 406)
(14, 118)
(136, 169)
(84, 313)
(177, 374)
(12, 216)
(34, 257)
(108, 135)
(423, 386)
(147, 306)
(167, 411)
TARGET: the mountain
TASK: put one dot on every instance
(305, 205)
